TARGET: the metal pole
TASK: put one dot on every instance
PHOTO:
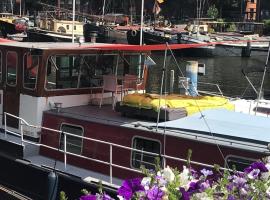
(103, 10)
(110, 164)
(5, 115)
(21, 130)
(141, 39)
(20, 8)
(65, 150)
(73, 20)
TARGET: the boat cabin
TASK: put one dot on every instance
(35, 76)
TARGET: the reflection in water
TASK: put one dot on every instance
(224, 71)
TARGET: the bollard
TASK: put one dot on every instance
(93, 36)
(192, 74)
(246, 51)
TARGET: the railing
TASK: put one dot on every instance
(208, 92)
(110, 163)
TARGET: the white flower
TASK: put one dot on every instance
(146, 182)
(168, 174)
(184, 177)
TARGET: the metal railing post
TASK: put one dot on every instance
(5, 121)
(21, 130)
(65, 150)
(110, 163)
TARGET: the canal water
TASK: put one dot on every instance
(224, 71)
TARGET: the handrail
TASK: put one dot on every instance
(111, 145)
(213, 84)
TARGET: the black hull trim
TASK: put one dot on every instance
(32, 181)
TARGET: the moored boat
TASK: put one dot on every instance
(58, 87)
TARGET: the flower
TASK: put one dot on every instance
(168, 174)
(206, 172)
(189, 184)
(129, 187)
(155, 193)
(88, 197)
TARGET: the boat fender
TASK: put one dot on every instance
(52, 185)
(133, 33)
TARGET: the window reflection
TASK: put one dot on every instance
(12, 62)
(31, 63)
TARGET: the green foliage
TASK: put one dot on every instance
(232, 27)
(212, 12)
(266, 26)
(63, 196)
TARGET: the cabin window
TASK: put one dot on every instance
(12, 62)
(67, 27)
(77, 71)
(30, 70)
(74, 144)
(141, 158)
(239, 163)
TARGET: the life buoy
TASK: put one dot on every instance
(133, 33)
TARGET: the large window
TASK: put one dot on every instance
(74, 144)
(142, 158)
(80, 71)
(30, 70)
(12, 62)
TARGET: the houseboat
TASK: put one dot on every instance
(60, 113)
(55, 31)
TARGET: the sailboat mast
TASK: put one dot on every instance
(141, 32)
(103, 10)
(73, 20)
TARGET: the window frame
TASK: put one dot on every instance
(143, 138)
(17, 57)
(73, 125)
(71, 54)
(238, 157)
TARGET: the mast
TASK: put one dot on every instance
(73, 20)
(103, 10)
(141, 39)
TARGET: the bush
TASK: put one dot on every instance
(266, 30)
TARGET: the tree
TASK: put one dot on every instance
(212, 12)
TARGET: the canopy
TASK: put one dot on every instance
(155, 47)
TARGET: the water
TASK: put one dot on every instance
(224, 71)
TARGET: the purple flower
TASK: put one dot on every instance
(88, 197)
(206, 172)
(155, 193)
(129, 187)
(231, 197)
(257, 165)
(254, 174)
(239, 181)
(193, 186)
(204, 186)
(185, 194)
